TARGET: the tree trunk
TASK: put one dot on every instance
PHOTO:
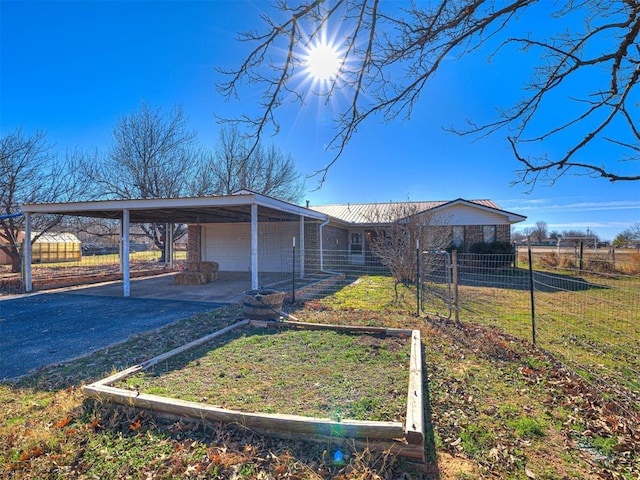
(16, 262)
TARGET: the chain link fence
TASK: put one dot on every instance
(589, 318)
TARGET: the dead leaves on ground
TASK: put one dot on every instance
(464, 397)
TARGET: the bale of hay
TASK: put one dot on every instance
(193, 266)
(212, 276)
(191, 278)
(208, 267)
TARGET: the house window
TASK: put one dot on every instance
(356, 243)
(489, 233)
(458, 236)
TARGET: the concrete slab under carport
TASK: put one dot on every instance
(228, 288)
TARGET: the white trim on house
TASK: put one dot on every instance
(509, 216)
(117, 206)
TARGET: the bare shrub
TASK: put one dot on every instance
(550, 259)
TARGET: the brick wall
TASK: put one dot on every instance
(311, 246)
(194, 246)
(334, 238)
(503, 233)
(335, 241)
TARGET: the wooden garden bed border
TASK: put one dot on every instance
(405, 440)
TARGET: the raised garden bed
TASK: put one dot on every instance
(316, 382)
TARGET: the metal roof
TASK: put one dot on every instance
(212, 209)
(51, 237)
(380, 213)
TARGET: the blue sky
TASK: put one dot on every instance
(73, 68)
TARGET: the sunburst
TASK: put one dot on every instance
(322, 61)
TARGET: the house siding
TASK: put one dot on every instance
(229, 244)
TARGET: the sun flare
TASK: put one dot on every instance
(323, 61)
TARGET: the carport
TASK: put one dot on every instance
(241, 207)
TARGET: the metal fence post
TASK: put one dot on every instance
(533, 304)
(581, 258)
(293, 273)
(417, 278)
(454, 268)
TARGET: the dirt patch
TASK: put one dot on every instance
(455, 468)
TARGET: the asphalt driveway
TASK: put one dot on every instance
(48, 328)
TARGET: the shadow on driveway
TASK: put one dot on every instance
(48, 328)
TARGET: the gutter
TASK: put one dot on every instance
(11, 215)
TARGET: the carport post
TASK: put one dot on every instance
(125, 253)
(168, 244)
(254, 246)
(26, 253)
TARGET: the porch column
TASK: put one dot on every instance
(26, 253)
(301, 249)
(168, 244)
(254, 246)
(124, 257)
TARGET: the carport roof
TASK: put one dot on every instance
(211, 209)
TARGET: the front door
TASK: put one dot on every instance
(356, 248)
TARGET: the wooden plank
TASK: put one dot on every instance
(116, 377)
(193, 344)
(414, 426)
(394, 446)
(392, 332)
(267, 421)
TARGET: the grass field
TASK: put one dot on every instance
(321, 374)
(596, 330)
(496, 408)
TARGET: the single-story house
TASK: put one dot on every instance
(465, 222)
(254, 233)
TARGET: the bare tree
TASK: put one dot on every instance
(153, 156)
(586, 76)
(30, 173)
(236, 165)
(539, 232)
(400, 232)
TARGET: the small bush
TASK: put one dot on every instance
(600, 266)
(503, 248)
(634, 265)
(549, 259)
(553, 260)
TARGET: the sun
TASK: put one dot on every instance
(322, 61)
